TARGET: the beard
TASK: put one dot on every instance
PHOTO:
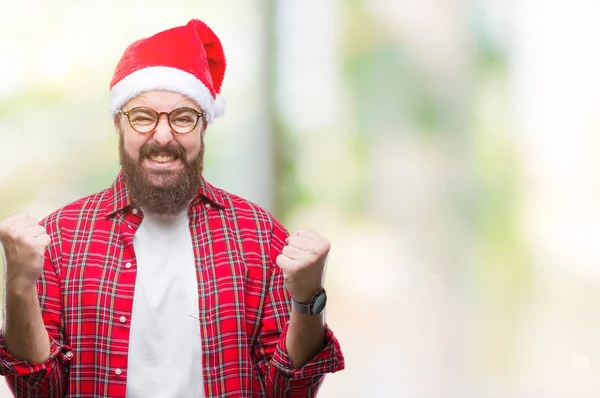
(175, 189)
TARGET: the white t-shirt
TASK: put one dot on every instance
(164, 344)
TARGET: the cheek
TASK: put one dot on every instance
(132, 145)
(191, 147)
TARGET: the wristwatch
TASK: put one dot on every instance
(314, 307)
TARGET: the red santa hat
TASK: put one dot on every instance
(187, 59)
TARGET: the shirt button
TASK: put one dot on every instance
(207, 205)
(134, 211)
(122, 319)
(117, 371)
(128, 265)
(69, 354)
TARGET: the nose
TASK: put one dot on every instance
(163, 133)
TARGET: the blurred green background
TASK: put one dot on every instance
(447, 148)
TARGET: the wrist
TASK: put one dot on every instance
(306, 297)
(18, 287)
(314, 306)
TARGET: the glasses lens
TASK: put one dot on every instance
(183, 120)
(143, 119)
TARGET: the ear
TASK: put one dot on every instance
(117, 123)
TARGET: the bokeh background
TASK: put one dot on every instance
(447, 148)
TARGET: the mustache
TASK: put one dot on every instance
(151, 149)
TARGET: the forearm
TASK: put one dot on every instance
(305, 337)
(288, 375)
(24, 332)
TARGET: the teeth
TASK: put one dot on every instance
(162, 158)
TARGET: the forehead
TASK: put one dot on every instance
(162, 101)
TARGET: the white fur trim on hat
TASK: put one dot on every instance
(164, 78)
(220, 106)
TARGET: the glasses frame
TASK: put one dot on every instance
(199, 115)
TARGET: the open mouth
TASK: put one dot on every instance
(162, 161)
(162, 158)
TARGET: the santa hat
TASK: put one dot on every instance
(187, 59)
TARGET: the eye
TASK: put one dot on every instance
(183, 117)
(142, 117)
(184, 120)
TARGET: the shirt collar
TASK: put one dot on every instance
(118, 198)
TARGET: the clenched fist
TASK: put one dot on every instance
(24, 242)
(302, 262)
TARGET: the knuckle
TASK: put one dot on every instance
(280, 261)
(292, 268)
(314, 250)
(10, 231)
(17, 237)
(317, 249)
(324, 245)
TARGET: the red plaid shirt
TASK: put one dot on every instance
(86, 296)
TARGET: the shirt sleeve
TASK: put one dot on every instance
(48, 379)
(28, 379)
(274, 364)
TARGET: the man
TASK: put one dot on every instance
(163, 285)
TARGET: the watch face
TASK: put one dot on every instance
(319, 304)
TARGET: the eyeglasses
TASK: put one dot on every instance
(181, 120)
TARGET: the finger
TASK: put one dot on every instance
(34, 230)
(24, 228)
(4, 224)
(18, 216)
(16, 227)
(308, 233)
(284, 262)
(15, 218)
(301, 242)
(297, 254)
(43, 240)
(319, 245)
(23, 223)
